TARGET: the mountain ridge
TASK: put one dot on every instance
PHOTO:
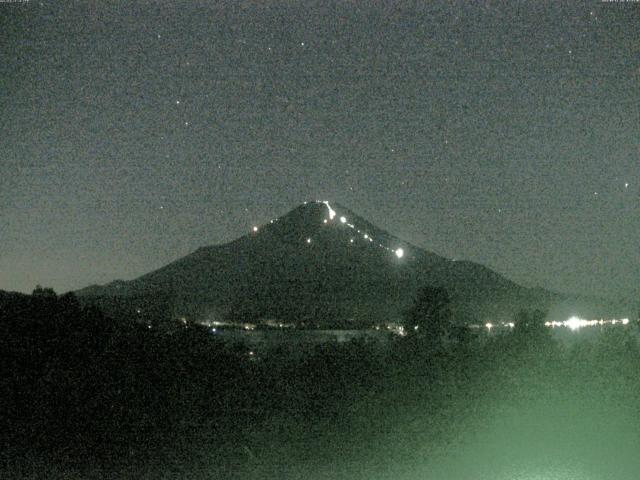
(319, 261)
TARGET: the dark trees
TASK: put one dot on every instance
(530, 323)
(430, 317)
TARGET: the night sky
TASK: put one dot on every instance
(507, 133)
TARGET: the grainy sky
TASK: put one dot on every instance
(506, 133)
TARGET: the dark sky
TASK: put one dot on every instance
(506, 133)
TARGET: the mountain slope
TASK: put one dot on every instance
(319, 264)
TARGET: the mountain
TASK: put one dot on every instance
(319, 264)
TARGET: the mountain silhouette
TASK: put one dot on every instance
(320, 264)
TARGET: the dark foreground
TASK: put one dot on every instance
(87, 397)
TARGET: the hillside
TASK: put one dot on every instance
(320, 264)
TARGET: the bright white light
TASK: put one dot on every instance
(625, 321)
(351, 241)
(308, 240)
(366, 236)
(325, 220)
(255, 229)
(489, 325)
(399, 253)
(575, 323)
(343, 220)
(332, 212)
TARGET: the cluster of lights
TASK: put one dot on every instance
(490, 325)
(574, 323)
(394, 328)
(398, 252)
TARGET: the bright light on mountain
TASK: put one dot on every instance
(332, 212)
(343, 220)
(399, 253)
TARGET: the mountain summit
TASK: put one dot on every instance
(319, 264)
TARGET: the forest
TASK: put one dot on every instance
(87, 396)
